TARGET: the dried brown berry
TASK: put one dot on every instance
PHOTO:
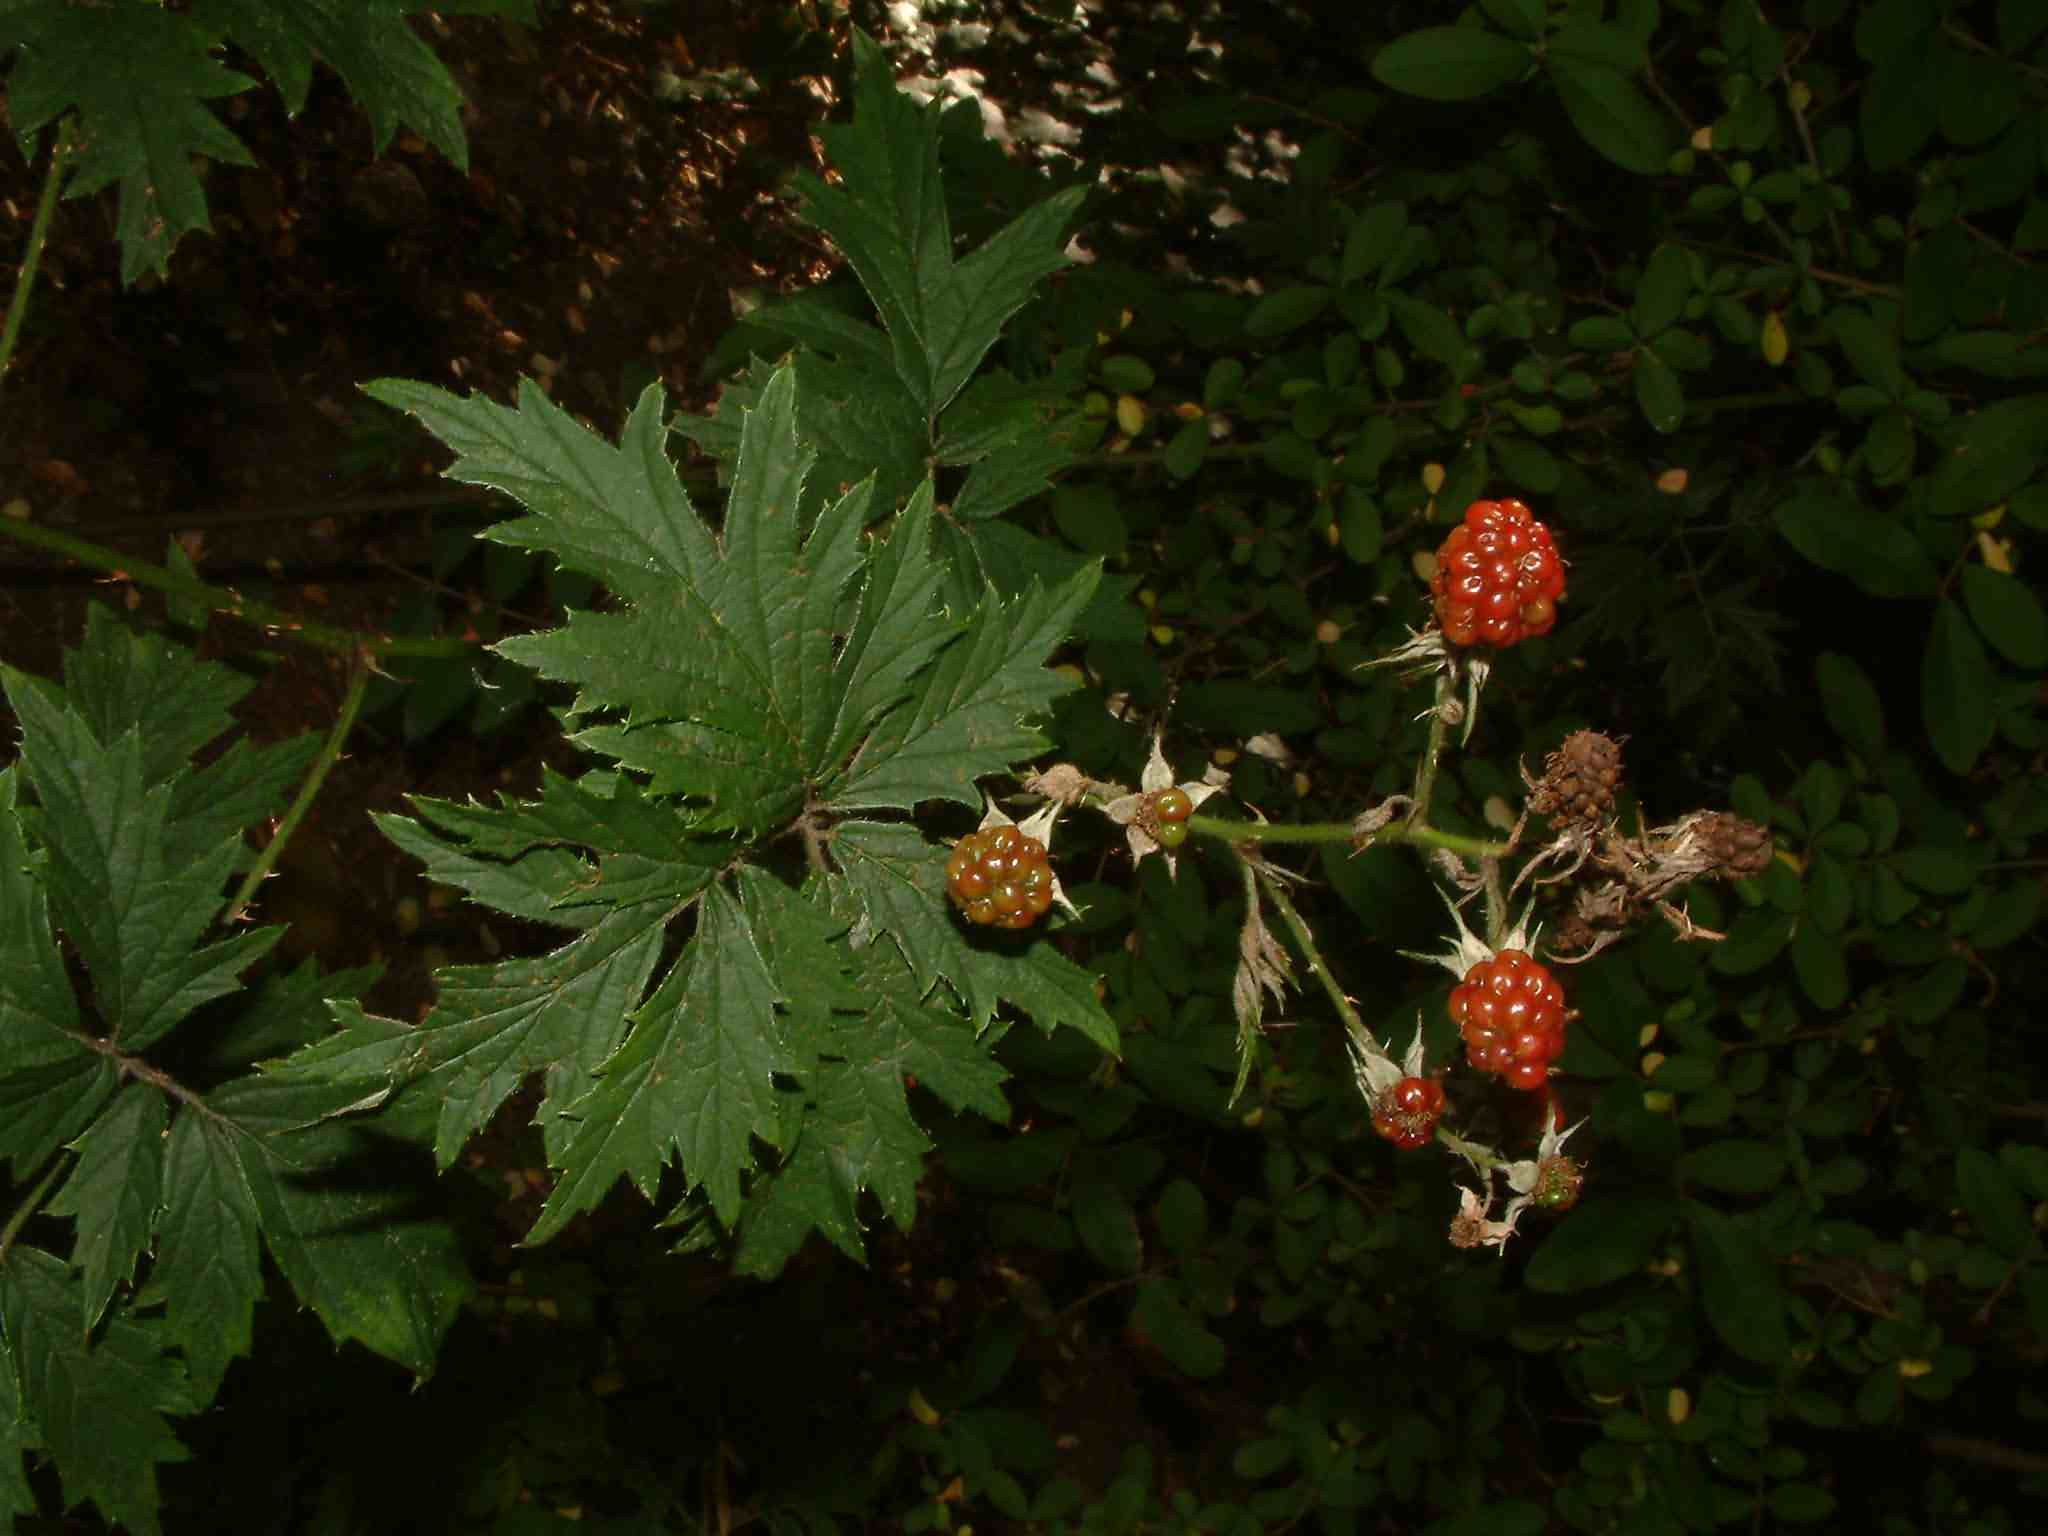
(1579, 781)
(1739, 847)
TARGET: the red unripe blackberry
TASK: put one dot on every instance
(1512, 1014)
(1000, 877)
(1498, 578)
(1407, 1113)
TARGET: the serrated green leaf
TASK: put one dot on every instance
(340, 1212)
(1016, 472)
(888, 216)
(694, 1079)
(528, 885)
(99, 1402)
(112, 1194)
(807, 1193)
(394, 76)
(893, 881)
(1450, 63)
(43, 1107)
(208, 1271)
(965, 714)
(562, 1013)
(615, 513)
(51, 1081)
(123, 882)
(886, 664)
(119, 679)
(858, 1131)
(1955, 689)
(18, 1438)
(139, 78)
(820, 319)
(241, 787)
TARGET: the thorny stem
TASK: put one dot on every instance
(156, 1077)
(328, 637)
(1276, 893)
(38, 237)
(1481, 1157)
(1341, 832)
(32, 1202)
(330, 754)
(1496, 902)
(1433, 752)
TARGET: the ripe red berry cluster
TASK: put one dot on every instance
(1171, 809)
(999, 877)
(1407, 1113)
(1511, 1012)
(1498, 577)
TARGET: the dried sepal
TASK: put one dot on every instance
(1468, 949)
(1645, 870)
(1368, 824)
(1475, 1227)
(1375, 1068)
(1421, 653)
(1262, 967)
(1069, 785)
(1549, 1179)
(1136, 811)
(1038, 824)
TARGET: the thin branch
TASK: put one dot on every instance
(1342, 832)
(1433, 751)
(38, 237)
(330, 754)
(328, 637)
(32, 1202)
(1812, 156)
(1988, 1453)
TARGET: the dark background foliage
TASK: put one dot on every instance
(1773, 385)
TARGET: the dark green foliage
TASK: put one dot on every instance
(1747, 305)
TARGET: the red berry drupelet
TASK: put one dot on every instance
(1000, 877)
(1407, 1113)
(1512, 1014)
(1498, 578)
